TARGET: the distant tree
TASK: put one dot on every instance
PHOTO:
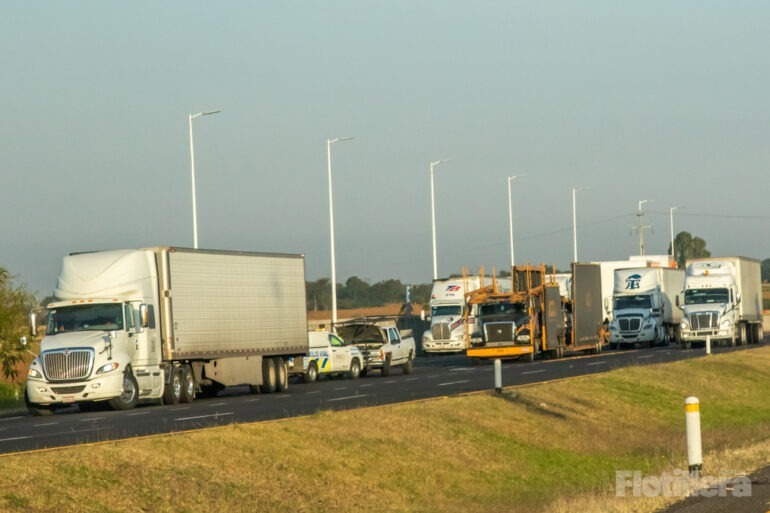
(318, 294)
(688, 247)
(421, 293)
(15, 305)
(504, 274)
(766, 269)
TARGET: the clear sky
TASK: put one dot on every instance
(656, 100)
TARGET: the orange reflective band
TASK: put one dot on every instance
(692, 408)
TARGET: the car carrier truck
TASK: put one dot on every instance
(722, 299)
(168, 323)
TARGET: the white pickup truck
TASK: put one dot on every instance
(382, 344)
(330, 355)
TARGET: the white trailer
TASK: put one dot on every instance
(167, 323)
(644, 306)
(722, 300)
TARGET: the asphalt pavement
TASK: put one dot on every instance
(748, 495)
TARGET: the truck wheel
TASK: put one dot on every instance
(268, 376)
(759, 333)
(129, 397)
(187, 391)
(408, 367)
(281, 375)
(172, 393)
(744, 336)
(36, 409)
(311, 374)
(355, 369)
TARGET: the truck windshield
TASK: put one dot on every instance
(706, 296)
(502, 308)
(439, 310)
(623, 302)
(93, 317)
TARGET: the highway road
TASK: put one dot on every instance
(432, 377)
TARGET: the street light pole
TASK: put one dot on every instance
(671, 220)
(510, 215)
(192, 172)
(574, 223)
(329, 143)
(433, 214)
(640, 214)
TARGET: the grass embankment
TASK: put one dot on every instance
(552, 447)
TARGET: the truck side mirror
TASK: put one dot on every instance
(737, 298)
(607, 303)
(678, 301)
(144, 316)
(32, 326)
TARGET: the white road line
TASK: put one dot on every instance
(181, 409)
(453, 383)
(362, 386)
(138, 413)
(13, 439)
(596, 363)
(434, 376)
(215, 415)
(94, 418)
(391, 381)
(412, 379)
(340, 388)
(532, 372)
(314, 392)
(12, 418)
(216, 404)
(462, 369)
(347, 398)
(45, 425)
(647, 356)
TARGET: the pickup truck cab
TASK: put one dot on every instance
(382, 344)
(330, 355)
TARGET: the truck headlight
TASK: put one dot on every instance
(725, 324)
(108, 367)
(523, 338)
(684, 325)
(648, 324)
(427, 336)
(34, 374)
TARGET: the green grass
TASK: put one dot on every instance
(553, 447)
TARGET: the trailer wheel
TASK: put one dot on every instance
(355, 369)
(187, 392)
(172, 393)
(129, 397)
(36, 409)
(759, 333)
(281, 375)
(268, 376)
(744, 335)
(311, 374)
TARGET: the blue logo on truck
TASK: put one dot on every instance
(632, 282)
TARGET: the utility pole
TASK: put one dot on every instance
(642, 226)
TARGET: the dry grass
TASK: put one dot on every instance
(553, 447)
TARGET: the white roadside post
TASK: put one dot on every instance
(708, 344)
(498, 376)
(694, 452)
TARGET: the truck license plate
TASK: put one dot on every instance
(68, 399)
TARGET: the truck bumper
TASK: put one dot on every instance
(700, 335)
(443, 346)
(620, 337)
(511, 351)
(105, 387)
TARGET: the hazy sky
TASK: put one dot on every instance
(661, 101)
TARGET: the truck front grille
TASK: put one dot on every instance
(704, 321)
(499, 332)
(68, 364)
(627, 324)
(441, 331)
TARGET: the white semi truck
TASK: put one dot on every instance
(167, 323)
(447, 315)
(722, 300)
(644, 306)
